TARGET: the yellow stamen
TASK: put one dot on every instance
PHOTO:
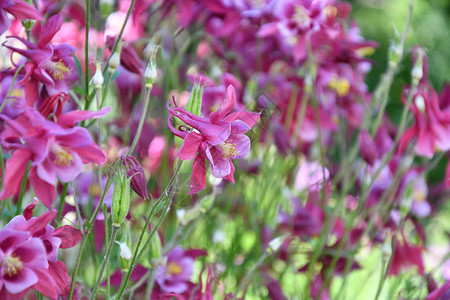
(57, 69)
(228, 149)
(340, 86)
(330, 11)
(62, 157)
(12, 264)
(366, 51)
(174, 268)
(300, 17)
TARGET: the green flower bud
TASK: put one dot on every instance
(150, 72)
(114, 62)
(154, 249)
(125, 256)
(121, 198)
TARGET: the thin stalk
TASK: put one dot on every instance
(61, 203)
(141, 121)
(86, 51)
(102, 267)
(87, 232)
(108, 280)
(119, 37)
(247, 276)
(10, 88)
(138, 253)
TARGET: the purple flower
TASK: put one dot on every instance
(19, 9)
(176, 274)
(54, 66)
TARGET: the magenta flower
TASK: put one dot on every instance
(19, 9)
(218, 139)
(406, 256)
(28, 255)
(176, 274)
(54, 150)
(54, 66)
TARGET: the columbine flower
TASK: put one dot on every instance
(218, 139)
(54, 66)
(28, 257)
(175, 275)
(19, 9)
(137, 174)
(54, 150)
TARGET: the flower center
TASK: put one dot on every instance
(173, 268)
(340, 86)
(228, 149)
(57, 69)
(300, 17)
(12, 264)
(62, 157)
(330, 11)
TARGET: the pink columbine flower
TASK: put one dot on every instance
(52, 65)
(19, 9)
(218, 139)
(28, 255)
(56, 150)
(176, 274)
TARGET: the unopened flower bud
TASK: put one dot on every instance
(395, 53)
(137, 175)
(386, 249)
(417, 70)
(98, 76)
(275, 244)
(150, 71)
(125, 256)
(367, 147)
(121, 198)
(28, 24)
(154, 249)
(114, 62)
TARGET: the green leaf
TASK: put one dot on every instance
(78, 65)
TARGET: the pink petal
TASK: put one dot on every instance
(14, 171)
(198, 177)
(249, 118)
(44, 191)
(32, 254)
(190, 146)
(70, 172)
(239, 127)
(49, 29)
(70, 118)
(220, 165)
(69, 236)
(242, 145)
(22, 281)
(91, 153)
(23, 10)
(46, 284)
(227, 106)
(58, 272)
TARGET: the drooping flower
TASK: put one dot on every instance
(55, 151)
(218, 139)
(138, 179)
(52, 65)
(406, 256)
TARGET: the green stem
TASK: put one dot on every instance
(138, 253)
(141, 121)
(119, 37)
(86, 51)
(102, 267)
(247, 276)
(77, 266)
(11, 88)
(61, 203)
